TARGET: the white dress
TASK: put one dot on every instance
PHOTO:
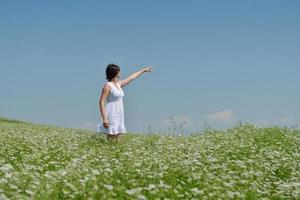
(114, 111)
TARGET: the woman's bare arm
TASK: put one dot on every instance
(104, 94)
(134, 76)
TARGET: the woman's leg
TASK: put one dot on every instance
(119, 137)
(111, 137)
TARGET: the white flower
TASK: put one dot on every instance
(109, 187)
(151, 186)
(230, 194)
(133, 191)
(196, 191)
(96, 172)
(29, 192)
(142, 197)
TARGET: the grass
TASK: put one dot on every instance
(245, 162)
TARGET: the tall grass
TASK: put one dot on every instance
(244, 162)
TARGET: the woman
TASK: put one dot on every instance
(112, 92)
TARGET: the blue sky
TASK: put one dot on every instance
(214, 61)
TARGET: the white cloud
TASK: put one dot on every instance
(221, 116)
(221, 119)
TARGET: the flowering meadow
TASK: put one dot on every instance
(244, 162)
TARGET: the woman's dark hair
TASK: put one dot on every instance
(112, 71)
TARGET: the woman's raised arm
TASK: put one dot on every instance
(134, 76)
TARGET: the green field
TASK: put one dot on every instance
(245, 162)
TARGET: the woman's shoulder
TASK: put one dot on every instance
(107, 85)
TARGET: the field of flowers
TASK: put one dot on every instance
(245, 162)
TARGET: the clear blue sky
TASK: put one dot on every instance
(215, 61)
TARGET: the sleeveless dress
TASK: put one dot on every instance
(114, 111)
